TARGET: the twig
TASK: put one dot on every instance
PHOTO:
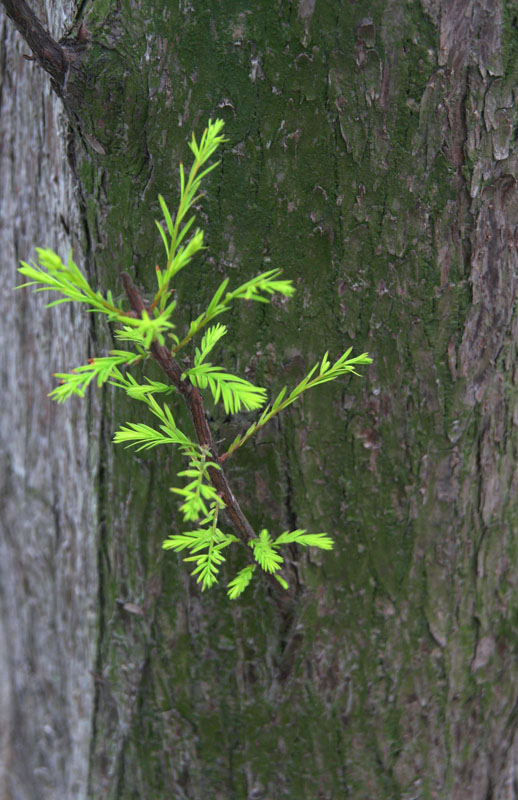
(194, 403)
(48, 53)
(56, 58)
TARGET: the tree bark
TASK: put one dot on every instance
(48, 552)
(372, 155)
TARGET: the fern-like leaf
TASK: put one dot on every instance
(264, 553)
(321, 540)
(236, 393)
(237, 586)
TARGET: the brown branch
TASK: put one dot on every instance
(56, 58)
(48, 53)
(194, 403)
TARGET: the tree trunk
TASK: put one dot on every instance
(372, 155)
(48, 559)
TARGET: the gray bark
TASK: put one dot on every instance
(48, 560)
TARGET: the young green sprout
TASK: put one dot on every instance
(149, 329)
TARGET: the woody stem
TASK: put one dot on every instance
(48, 53)
(194, 403)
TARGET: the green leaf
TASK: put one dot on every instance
(52, 274)
(137, 433)
(237, 586)
(76, 382)
(200, 492)
(164, 237)
(192, 541)
(210, 339)
(184, 255)
(178, 257)
(146, 330)
(325, 363)
(215, 302)
(265, 282)
(264, 553)
(211, 540)
(278, 400)
(251, 290)
(173, 434)
(167, 215)
(284, 583)
(69, 384)
(321, 540)
(185, 230)
(210, 140)
(328, 372)
(141, 391)
(207, 567)
(236, 393)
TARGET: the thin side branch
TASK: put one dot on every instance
(59, 59)
(194, 402)
(48, 53)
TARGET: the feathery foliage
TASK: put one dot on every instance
(149, 329)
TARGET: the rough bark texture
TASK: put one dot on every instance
(48, 561)
(372, 155)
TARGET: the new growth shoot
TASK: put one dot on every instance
(151, 332)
